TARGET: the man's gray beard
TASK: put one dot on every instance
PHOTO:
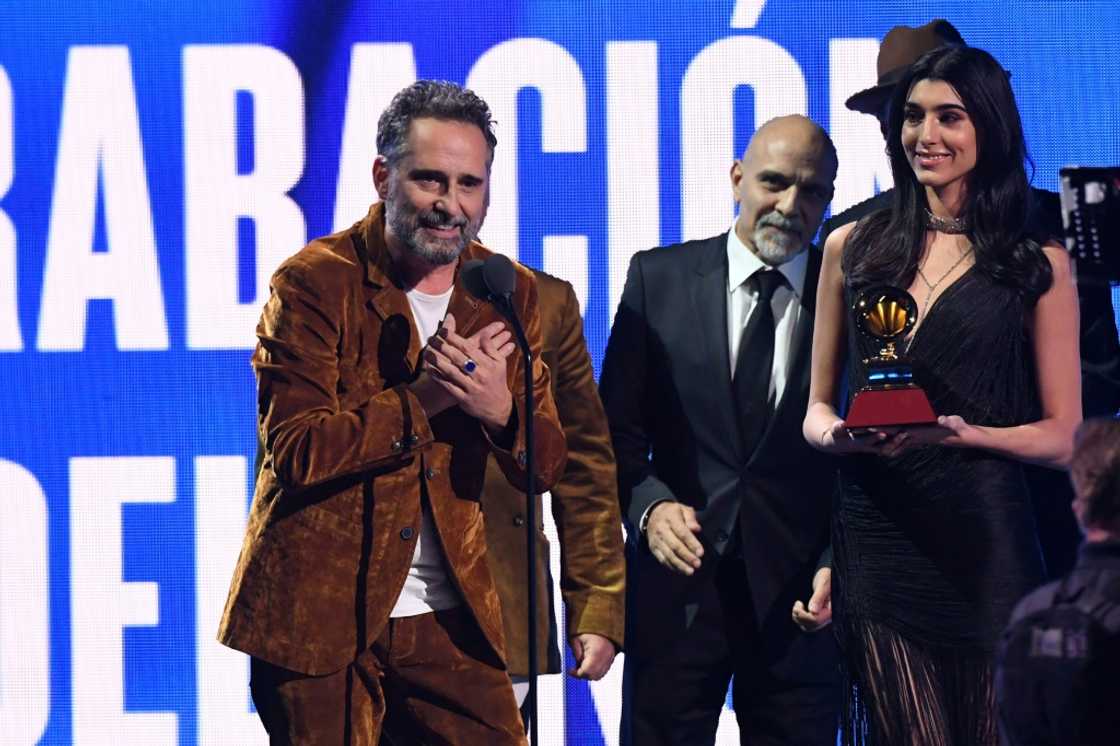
(775, 251)
(435, 252)
(406, 225)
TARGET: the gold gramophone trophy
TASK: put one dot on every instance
(890, 400)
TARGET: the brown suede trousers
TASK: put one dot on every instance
(427, 679)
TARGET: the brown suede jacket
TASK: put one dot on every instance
(584, 506)
(348, 451)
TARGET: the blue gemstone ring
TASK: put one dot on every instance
(469, 366)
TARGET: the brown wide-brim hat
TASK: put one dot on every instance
(901, 48)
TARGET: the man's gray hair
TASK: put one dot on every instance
(436, 99)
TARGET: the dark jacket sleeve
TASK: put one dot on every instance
(311, 439)
(624, 386)
(585, 500)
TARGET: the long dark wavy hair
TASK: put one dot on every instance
(886, 246)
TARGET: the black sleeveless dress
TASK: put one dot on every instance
(933, 548)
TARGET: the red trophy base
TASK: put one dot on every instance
(901, 407)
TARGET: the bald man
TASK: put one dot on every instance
(705, 383)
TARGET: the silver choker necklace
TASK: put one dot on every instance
(947, 225)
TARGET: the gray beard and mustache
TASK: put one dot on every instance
(777, 247)
(408, 223)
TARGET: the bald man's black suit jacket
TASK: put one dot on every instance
(666, 385)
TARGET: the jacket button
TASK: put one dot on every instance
(431, 473)
(395, 445)
(413, 440)
(406, 533)
(722, 537)
(518, 520)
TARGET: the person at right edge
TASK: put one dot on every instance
(934, 538)
(1100, 348)
(1056, 666)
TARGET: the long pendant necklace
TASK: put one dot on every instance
(952, 226)
(933, 285)
(929, 294)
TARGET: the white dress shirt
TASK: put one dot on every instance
(741, 301)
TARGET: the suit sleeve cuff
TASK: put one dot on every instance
(643, 522)
(602, 614)
(825, 558)
(644, 496)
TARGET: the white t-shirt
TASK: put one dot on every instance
(427, 587)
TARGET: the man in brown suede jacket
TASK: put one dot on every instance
(584, 506)
(363, 592)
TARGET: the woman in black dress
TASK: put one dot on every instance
(933, 535)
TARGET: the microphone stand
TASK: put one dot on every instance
(505, 305)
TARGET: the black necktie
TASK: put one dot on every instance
(755, 361)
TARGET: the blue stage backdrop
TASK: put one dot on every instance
(158, 160)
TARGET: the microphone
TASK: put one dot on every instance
(471, 274)
(499, 275)
(492, 280)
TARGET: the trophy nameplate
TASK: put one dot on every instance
(890, 400)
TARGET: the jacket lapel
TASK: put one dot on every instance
(383, 296)
(801, 351)
(464, 306)
(709, 299)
